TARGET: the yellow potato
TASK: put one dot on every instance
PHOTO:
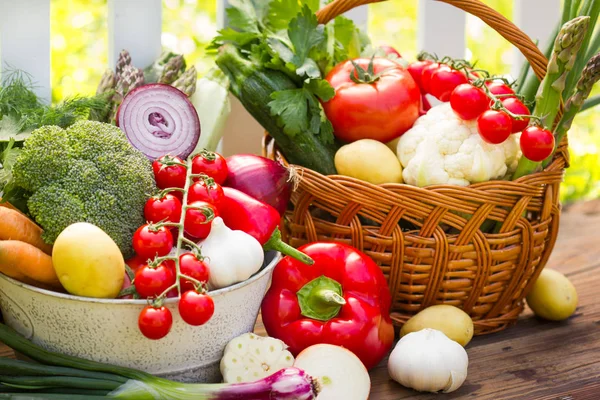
(88, 262)
(553, 296)
(452, 321)
(393, 144)
(370, 161)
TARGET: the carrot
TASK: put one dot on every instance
(18, 259)
(16, 226)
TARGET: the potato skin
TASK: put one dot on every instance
(88, 262)
(370, 161)
(553, 296)
(452, 321)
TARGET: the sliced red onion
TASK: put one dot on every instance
(159, 119)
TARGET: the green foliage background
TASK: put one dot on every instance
(79, 56)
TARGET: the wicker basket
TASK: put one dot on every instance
(487, 275)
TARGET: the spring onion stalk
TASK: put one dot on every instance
(589, 76)
(12, 367)
(211, 100)
(49, 396)
(548, 98)
(286, 384)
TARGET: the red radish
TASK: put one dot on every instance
(264, 179)
(341, 374)
(159, 119)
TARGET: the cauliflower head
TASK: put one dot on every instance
(441, 148)
(86, 173)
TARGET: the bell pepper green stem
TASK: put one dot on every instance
(275, 243)
(321, 299)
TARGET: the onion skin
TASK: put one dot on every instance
(264, 179)
(159, 119)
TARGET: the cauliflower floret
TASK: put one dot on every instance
(441, 148)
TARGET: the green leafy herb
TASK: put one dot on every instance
(285, 35)
(8, 157)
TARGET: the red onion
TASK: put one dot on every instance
(159, 119)
(264, 179)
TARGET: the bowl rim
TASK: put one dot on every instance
(277, 256)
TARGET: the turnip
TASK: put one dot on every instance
(341, 374)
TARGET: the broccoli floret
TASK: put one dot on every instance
(86, 173)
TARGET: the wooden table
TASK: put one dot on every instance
(535, 359)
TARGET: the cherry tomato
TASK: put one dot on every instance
(136, 262)
(416, 70)
(499, 88)
(494, 126)
(149, 242)
(196, 308)
(536, 143)
(169, 176)
(444, 81)
(211, 164)
(381, 110)
(152, 281)
(468, 101)
(210, 191)
(426, 75)
(193, 267)
(198, 221)
(517, 107)
(390, 50)
(155, 323)
(167, 208)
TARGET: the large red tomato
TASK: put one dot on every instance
(382, 110)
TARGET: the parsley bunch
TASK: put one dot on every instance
(284, 35)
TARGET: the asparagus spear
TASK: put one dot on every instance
(123, 61)
(187, 81)
(172, 70)
(589, 76)
(564, 54)
(129, 79)
(107, 82)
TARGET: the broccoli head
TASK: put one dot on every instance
(86, 173)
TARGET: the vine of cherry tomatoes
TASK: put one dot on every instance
(492, 103)
(156, 273)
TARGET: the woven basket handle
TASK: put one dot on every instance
(475, 7)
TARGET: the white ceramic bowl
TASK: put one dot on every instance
(107, 330)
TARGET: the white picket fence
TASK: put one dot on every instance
(136, 25)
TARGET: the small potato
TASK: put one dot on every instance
(88, 262)
(370, 161)
(553, 296)
(452, 321)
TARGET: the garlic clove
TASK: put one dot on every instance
(456, 380)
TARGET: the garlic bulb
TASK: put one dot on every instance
(428, 361)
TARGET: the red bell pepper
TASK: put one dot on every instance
(242, 212)
(343, 299)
